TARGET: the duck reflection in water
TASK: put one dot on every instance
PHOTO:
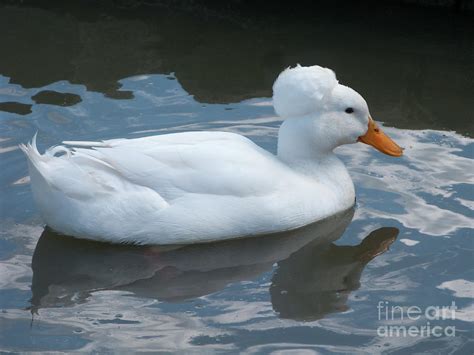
(314, 277)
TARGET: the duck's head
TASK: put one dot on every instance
(336, 113)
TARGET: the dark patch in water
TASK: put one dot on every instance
(56, 98)
(15, 107)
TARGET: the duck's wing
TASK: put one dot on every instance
(173, 165)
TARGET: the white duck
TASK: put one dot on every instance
(205, 186)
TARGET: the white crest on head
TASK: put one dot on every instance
(301, 90)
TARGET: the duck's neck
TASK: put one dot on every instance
(302, 143)
(303, 147)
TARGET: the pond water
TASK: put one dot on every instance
(75, 73)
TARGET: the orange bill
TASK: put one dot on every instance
(380, 141)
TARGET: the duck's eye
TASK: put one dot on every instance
(349, 110)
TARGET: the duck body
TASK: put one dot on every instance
(181, 188)
(196, 187)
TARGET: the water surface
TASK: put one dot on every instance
(89, 74)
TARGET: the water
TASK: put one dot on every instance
(75, 73)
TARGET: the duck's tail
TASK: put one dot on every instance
(58, 168)
(35, 157)
(53, 180)
(31, 151)
(38, 163)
